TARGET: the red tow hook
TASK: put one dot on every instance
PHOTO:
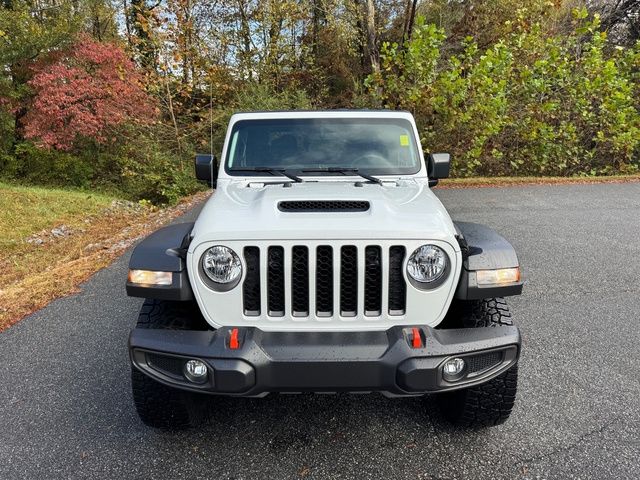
(234, 343)
(416, 339)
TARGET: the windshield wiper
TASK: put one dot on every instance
(344, 171)
(271, 171)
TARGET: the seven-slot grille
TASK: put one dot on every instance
(325, 281)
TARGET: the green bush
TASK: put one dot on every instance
(532, 104)
(9, 166)
(50, 167)
(138, 170)
(264, 97)
(149, 174)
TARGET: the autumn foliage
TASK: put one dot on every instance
(86, 91)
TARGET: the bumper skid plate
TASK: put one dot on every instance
(251, 362)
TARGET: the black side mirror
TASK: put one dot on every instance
(438, 167)
(206, 168)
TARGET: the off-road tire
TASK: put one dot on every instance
(167, 315)
(489, 312)
(157, 405)
(490, 403)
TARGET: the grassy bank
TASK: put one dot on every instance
(51, 240)
(515, 181)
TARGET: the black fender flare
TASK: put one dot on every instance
(484, 249)
(165, 251)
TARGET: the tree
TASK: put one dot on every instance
(409, 18)
(86, 92)
(372, 35)
(141, 21)
(100, 19)
(27, 31)
(622, 19)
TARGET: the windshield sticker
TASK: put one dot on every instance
(404, 140)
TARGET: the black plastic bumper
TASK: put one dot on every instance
(325, 361)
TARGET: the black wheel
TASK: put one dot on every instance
(157, 405)
(490, 403)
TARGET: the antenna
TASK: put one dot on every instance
(211, 125)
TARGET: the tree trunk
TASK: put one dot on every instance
(18, 79)
(411, 19)
(372, 36)
(174, 121)
(317, 16)
(127, 22)
(405, 21)
(362, 57)
(245, 34)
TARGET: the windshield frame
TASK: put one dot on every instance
(402, 119)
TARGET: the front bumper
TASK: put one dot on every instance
(384, 361)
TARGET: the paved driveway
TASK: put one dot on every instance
(66, 409)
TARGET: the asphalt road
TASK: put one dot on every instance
(66, 408)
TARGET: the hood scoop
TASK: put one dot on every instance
(304, 206)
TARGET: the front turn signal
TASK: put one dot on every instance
(150, 277)
(498, 277)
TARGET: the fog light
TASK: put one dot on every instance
(195, 371)
(452, 369)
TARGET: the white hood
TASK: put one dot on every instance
(406, 209)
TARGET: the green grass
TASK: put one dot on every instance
(34, 273)
(28, 210)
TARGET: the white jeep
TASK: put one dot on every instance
(323, 263)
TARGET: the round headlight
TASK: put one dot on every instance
(427, 264)
(221, 265)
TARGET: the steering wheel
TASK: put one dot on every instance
(376, 157)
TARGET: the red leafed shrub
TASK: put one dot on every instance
(86, 91)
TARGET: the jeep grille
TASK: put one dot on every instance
(312, 285)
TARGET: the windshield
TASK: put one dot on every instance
(380, 146)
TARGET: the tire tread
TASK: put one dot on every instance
(158, 405)
(490, 403)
